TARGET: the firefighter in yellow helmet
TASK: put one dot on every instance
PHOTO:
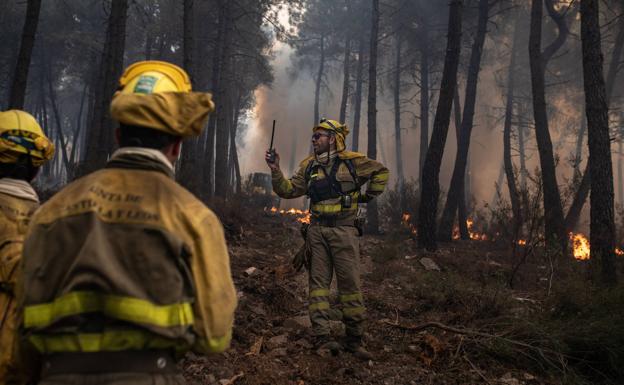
(333, 178)
(23, 150)
(125, 270)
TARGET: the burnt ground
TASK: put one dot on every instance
(271, 336)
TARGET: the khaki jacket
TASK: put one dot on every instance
(127, 259)
(367, 170)
(18, 202)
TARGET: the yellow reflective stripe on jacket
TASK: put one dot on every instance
(320, 208)
(319, 293)
(111, 340)
(122, 308)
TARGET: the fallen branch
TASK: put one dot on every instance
(559, 357)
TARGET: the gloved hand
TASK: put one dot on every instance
(301, 259)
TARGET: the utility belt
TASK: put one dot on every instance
(144, 361)
(329, 221)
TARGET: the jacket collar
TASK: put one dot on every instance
(18, 188)
(140, 158)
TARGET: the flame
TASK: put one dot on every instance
(301, 216)
(472, 234)
(522, 242)
(619, 251)
(405, 220)
(580, 246)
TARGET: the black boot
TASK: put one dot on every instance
(324, 343)
(353, 344)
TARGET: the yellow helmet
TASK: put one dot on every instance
(21, 134)
(339, 129)
(148, 77)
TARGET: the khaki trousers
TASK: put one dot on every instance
(335, 249)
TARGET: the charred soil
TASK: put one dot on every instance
(456, 321)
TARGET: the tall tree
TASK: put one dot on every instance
(319, 79)
(514, 195)
(574, 212)
(187, 174)
(430, 188)
(553, 212)
(602, 225)
(346, 73)
(372, 213)
(459, 172)
(20, 77)
(424, 98)
(397, 120)
(357, 105)
(100, 138)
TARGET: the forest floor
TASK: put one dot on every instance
(470, 294)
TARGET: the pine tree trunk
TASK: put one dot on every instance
(461, 211)
(319, 81)
(424, 101)
(100, 136)
(372, 213)
(20, 77)
(346, 79)
(574, 213)
(397, 124)
(187, 175)
(578, 153)
(459, 172)
(553, 213)
(514, 195)
(602, 225)
(357, 108)
(430, 188)
(209, 145)
(522, 152)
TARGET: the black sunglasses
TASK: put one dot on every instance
(318, 135)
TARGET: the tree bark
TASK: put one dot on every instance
(461, 210)
(357, 108)
(187, 174)
(424, 101)
(209, 146)
(223, 122)
(574, 213)
(100, 139)
(553, 213)
(397, 123)
(430, 189)
(514, 195)
(319, 80)
(20, 77)
(602, 225)
(346, 78)
(372, 213)
(459, 172)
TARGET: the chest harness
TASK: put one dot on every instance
(320, 189)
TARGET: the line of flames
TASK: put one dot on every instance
(405, 220)
(580, 243)
(300, 215)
